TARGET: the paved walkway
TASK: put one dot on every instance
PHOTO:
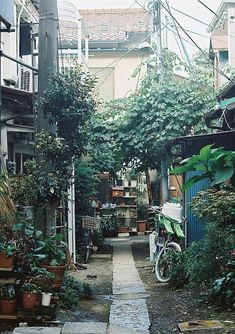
(129, 307)
(128, 313)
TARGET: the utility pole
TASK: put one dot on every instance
(48, 53)
(158, 40)
(48, 64)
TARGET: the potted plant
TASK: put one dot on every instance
(7, 300)
(41, 276)
(29, 295)
(7, 254)
(55, 258)
(142, 207)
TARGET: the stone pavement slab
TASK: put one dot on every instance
(101, 256)
(37, 330)
(126, 287)
(131, 313)
(128, 308)
(84, 328)
(117, 329)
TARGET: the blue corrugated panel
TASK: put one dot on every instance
(195, 228)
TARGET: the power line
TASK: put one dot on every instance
(191, 17)
(117, 61)
(202, 51)
(184, 39)
(119, 58)
(203, 4)
(136, 1)
(180, 40)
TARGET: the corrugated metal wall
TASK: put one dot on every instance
(195, 228)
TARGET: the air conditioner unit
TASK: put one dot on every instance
(25, 80)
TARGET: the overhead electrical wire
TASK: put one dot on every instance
(191, 17)
(211, 10)
(116, 61)
(171, 30)
(123, 55)
(202, 51)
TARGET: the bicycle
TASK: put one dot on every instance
(87, 245)
(169, 232)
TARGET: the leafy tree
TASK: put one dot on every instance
(161, 111)
(86, 181)
(103, 148)
(68, 103)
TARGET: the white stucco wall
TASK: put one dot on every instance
(122, 70)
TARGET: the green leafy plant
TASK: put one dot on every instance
(214, 164)
(7, 293)
(54, 250)
(86, 181)
(30, 287)
(223, 291)
(179, 270)
(9, 247)
(42, 273)
(74, 291)
(162, 110)
(215, 205)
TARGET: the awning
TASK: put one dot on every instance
(225, 103)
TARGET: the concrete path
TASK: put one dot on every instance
(129, 307)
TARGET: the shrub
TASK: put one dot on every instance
(179, 269)
(74, 291)
(223, 291)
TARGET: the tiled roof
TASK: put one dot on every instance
(115, 24)
(108, 24)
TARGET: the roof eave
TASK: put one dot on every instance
(219, 13)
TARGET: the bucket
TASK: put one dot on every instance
(46, 298)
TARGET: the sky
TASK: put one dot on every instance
(191, 7)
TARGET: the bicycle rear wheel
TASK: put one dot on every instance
(164, 262)
(88, 248)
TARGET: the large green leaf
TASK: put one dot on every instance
(192, 181)
(205, 153)
(222, 175)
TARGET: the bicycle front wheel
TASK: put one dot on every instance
(164, 262)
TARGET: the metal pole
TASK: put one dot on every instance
(158, 35)
(0, 67)
(48, 51)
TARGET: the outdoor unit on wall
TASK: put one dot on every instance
(25, 80)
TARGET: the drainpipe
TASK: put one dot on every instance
(18, 37)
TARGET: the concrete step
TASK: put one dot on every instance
(37, 330)
(97, 328)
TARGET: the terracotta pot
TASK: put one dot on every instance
(141, 225)
(6, 262)
(29, 299)
(123, 229)
(7, 306)
(58, 271)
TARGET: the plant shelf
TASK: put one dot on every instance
(6, 269)
(8, 316)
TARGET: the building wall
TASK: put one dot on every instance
(114, 78)
(12, 141)
(10, 45)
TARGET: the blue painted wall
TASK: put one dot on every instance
(195, 228)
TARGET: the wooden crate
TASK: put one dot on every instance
(117, 192)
